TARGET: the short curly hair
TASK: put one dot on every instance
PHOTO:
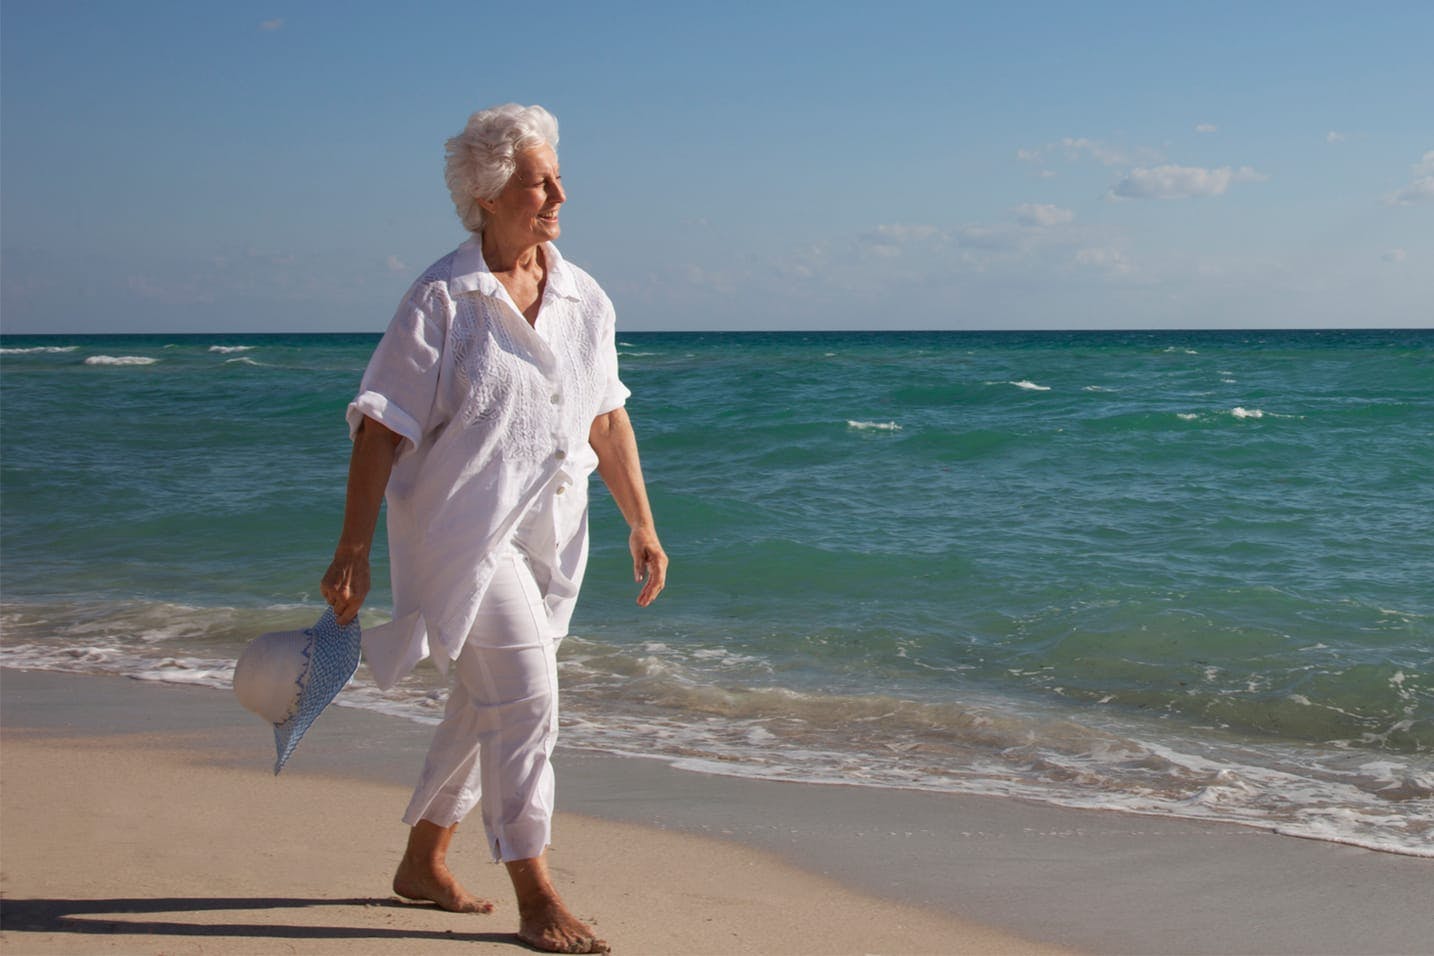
(480, 159)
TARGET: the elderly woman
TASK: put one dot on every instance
(492, 397)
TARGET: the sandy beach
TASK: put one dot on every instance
(141, 818)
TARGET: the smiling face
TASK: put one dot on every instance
(525, 212)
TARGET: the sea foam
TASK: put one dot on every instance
(40, 350)
(120, 360)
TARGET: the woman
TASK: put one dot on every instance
(490, 400)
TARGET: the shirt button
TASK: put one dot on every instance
(557, 399)
(561, 489)
(561, 454)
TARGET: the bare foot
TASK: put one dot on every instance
(416, 882)
(551, 928)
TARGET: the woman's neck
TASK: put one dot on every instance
(510, 258)
(523, 272)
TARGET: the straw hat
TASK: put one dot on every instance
(289, 677)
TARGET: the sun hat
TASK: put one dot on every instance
(289, 677)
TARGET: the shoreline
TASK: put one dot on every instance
(808, 867)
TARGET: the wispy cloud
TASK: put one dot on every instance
(1182, 182)
(269, 26)
(1334, 136)
(1042, 215)
(889, 240)
(1106, 155)
(1074, 148)
(395, 264)
(1205, 127)
(1422, 187)
(1107, 260)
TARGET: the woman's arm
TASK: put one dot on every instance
(346, 583)
(612, 438)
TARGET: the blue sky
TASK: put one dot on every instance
(277, 166)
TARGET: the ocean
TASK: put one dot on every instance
(1176, 573)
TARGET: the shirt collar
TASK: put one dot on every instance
(470, 272)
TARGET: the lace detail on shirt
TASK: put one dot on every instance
(580, 356)
(504, 392)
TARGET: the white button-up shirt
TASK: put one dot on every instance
(494, 415)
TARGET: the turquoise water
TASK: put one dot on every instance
(1179, 573)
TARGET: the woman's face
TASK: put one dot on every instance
(526, 211)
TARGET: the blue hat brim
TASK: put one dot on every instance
(331, 659)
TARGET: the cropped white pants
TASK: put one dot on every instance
(496, 739)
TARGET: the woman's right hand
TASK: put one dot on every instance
(345, 585)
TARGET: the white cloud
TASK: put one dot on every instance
(1334, 136)
(698, 276)
(1395, 255)
(187, 292)
(1100, 152)
(1205, 127)
(892, 239)
(269, 26)
(395, 264)
(907, 232)
(1107, 260)
(1042, 215)
(1421, 189)
(1182, 182)
(1075, 148)
(998, 238)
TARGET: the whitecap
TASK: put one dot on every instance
(1186, 416)
(40, 350)
(120, 360)
(1030, 386)
(877, 426)
(226, 349)
(1243, 413)
(244, 360)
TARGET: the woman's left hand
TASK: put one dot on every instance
(649, 563)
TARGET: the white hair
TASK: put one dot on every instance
(481, 158)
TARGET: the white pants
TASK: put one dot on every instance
(498, 731)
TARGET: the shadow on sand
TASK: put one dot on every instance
(88, 916)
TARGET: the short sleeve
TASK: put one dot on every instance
(615, 394)
(400, 385)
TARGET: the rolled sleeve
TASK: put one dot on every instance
(375, 405)
(615, 393)
(400, 385)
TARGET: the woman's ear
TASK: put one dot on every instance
(487, 205)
